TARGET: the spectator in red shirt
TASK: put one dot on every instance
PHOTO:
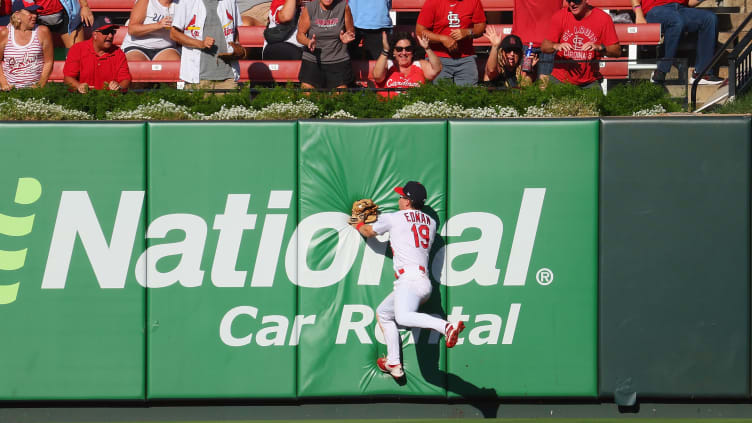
(451, 26)
(404, 71)
(97, 63)
(579, 34)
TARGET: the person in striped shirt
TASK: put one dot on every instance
(26, 49)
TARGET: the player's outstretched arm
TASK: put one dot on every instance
(364, 229)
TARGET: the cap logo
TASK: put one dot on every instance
(28, 3)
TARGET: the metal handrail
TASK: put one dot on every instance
(715, 60)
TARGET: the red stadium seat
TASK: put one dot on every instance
(283, 70)
(639, 34)
(251, 36)
(612, 4)
(488, 5)
(111, 5)
(611, 69)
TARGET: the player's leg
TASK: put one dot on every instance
(385, 315)
(409, 294)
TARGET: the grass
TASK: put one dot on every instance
(511, 420)
(741, 105)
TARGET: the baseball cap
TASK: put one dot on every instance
(413, 190)
(16, 6)
(24, 5)
(511, 42)
(102, 23)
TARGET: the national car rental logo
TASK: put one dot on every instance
(28, 191)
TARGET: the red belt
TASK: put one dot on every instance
(401, 271)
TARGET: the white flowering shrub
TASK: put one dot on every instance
(537, 111)
(163, 110)
(655, 110)
(440, 110)
(301, 109)
(233, 113)
(340, 114)
(423, 110)
(38, 109)
(489, 113)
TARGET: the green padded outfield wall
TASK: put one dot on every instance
(222, 209)
(257, 288)
(674, 258)
(341, 278)
(522, 244)
(71, 310)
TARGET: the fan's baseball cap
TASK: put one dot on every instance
(102, 23)
(19, 5)
(512, 42)
(413, 190)
(24, 5)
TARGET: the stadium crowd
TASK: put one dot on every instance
(556, 41)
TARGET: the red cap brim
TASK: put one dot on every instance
(106, 27)
(399, 191)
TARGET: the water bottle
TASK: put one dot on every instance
(527, 61)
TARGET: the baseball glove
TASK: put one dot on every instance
(364, 210)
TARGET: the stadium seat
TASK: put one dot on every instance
(283, 70)
(488, 5)
(111, 5)
(397, 5)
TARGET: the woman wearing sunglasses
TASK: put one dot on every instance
(503, 65)
(404, 71)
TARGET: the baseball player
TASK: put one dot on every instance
(411, 233)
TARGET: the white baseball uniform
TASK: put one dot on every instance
(411, 234)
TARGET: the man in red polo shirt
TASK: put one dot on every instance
(579, 34)
(451, 25)
(97, 63)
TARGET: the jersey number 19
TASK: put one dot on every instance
(422, 235)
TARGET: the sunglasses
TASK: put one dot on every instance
(404, 198)
(575, 2)
(108, 31)
(399, 49)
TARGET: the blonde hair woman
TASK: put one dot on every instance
(26, 49)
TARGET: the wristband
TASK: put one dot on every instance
(359, 225)
(385, 53)
(637, 6)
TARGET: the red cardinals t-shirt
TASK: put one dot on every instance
(649, 4)
(531, 18)
(48, 7)
(596, 27)
(397, 79)
(442, 16)
(275, 8)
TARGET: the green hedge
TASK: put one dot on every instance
(561, 100)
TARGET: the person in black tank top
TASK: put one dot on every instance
(325, 28)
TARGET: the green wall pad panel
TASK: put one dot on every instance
(342, 279)
(521, 257)
(221, 309)
(674, 258)
(71, 229)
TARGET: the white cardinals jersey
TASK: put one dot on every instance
(411, 233)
